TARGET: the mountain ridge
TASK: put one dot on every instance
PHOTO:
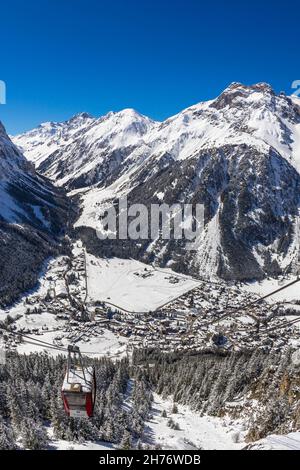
(238, 154)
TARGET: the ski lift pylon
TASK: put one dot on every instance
(79, 386)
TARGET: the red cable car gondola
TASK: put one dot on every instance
(79, 386)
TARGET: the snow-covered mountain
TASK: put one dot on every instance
(238, 154)
(32, 214)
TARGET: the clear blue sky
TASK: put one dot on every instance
(60, 57)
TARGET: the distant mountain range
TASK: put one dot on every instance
(32, 217)
(238, 154)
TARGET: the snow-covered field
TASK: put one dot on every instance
(133, 285)
(195, 432)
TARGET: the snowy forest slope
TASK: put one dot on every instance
(261, 391)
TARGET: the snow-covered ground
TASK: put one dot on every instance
(133, 285)
(195, 431)
(108, 344)
(289, 441)
(59, 444)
